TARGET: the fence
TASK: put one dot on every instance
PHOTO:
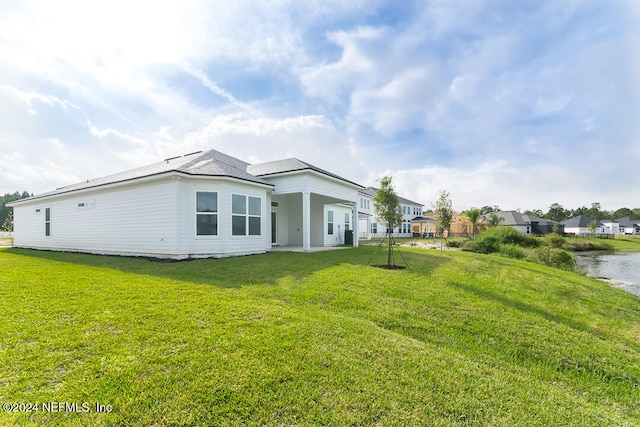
(6, 234)
(591, 236)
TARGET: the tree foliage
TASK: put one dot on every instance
(7, 224)
(493, 220)
(474, 217)
(8, 198)
(558, 213)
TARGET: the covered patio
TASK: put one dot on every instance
(310, 207)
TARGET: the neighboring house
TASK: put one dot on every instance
(457, 228)
(629, 225)
(204, 204)
(579, 226)
(365, 215)
(410, 211)
(528, 224)
(611, 226)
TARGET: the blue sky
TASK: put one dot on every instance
(517, 104)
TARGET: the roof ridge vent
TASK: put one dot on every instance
(191, 154)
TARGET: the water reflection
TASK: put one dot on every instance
(624, 266)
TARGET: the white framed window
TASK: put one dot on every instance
(47, 222)
(330, 222)
(346, 220)
(374, 227)
(206, 213)
(246, 215)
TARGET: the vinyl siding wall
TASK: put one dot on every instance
(136, 219)
(154, 218)
(224, 244)
(337, 238)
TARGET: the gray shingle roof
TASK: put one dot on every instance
(516, 218)
(627, 221)
(372, 191)
(289, 165)
(579, 221)
(209, 163)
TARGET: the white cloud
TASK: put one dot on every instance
(313, 139)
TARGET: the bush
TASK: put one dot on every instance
(580, 246)
(553, 257)
(512, 251)
(483, 245)
(554, 240)
(491, 240)
(454, 243)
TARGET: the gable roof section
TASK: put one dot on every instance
(516, 218)
(290, 165)
(372, 191)
(579, 221)
(629, 222)
(209, 163)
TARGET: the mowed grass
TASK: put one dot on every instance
(315, 339)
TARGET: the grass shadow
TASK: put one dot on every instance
(527, 308)
(232, 272)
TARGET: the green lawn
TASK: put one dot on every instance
(620, 243)
(315, 339)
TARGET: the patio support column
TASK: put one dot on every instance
(306, 221)
(355, 224)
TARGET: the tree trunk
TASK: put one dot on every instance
(389, 253)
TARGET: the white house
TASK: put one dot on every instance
(365, 215)
(629, 225)
(203, 204)
(579, 226)
(410, 210)
(611, 227)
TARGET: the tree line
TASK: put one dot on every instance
(6, 213)
(557, 212)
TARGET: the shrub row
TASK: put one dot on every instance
(509, 242)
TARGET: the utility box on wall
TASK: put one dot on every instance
(348, 237)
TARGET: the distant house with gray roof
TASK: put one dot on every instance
(528, 224)
(202, 204)
(579, 226)
(629, 225)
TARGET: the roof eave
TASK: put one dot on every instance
(142, 179)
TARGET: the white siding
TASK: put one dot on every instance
(224, 244)
(310, 182)
(337, 238)
(154, 218)
(137, 219)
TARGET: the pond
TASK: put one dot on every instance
(621, 266)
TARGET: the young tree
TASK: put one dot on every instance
(494, 220)
(474, 216)
(444, 214)
(592, 226)
(387, 207)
